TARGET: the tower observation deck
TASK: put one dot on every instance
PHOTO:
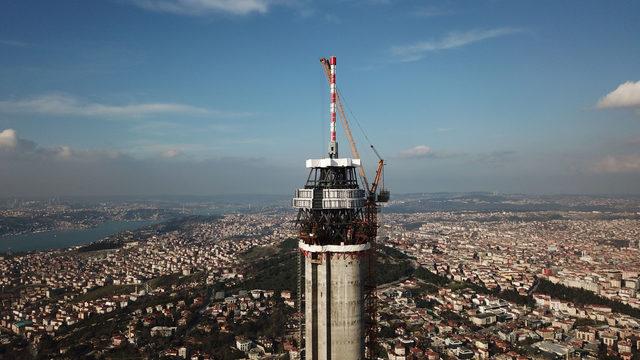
(335, 243)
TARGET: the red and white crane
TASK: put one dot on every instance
(374, 197)
(329, 67)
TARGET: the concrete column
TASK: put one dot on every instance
(334, 303)
(310, 308)
(347, 303)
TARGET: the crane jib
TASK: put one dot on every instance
(372, 188)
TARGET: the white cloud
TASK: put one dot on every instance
(13, 43)
(15, 148)
(8, 139)
(205, 7)
(171, 153)
(65, 105)
(418, 151)
(618, 164)
(430, 11)
(28, 169)
(64, 152)
(497, 157)
(417, 51)
(425, 152)
(625, 95)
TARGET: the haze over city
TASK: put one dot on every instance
(161, 97)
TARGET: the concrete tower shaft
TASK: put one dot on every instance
(336, 235)
(334, 318)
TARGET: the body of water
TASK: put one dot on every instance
(66, 238)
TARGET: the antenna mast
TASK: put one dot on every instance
(333, 144)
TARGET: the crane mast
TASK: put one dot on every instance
(371, 209)
(326, 67)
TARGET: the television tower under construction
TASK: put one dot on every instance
(338, 225)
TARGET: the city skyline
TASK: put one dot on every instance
(181, 97)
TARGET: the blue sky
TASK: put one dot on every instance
(201, 96)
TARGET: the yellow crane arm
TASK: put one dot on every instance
(376, 181)
(345, 124)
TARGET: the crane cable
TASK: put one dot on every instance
(353, 116)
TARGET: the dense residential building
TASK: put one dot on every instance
(453, 285)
